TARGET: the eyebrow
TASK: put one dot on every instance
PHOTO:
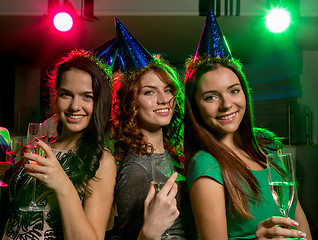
(154, 87)
(66, 90)
(214, 91)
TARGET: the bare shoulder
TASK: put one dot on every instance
(107, 164)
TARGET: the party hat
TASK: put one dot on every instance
(107, 52)
(132, 55)
(212, 42)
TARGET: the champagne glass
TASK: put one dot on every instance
(11, 152)
(35, 131)
(281, 179)
(162, 169)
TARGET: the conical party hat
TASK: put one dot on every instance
(132, 55)
(212, 42)
(107, 52)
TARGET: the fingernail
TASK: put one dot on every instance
(36, 140)
(301, 234)
(294, 223)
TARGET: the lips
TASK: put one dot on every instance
(75, 117)
(166, 110)
(227, 117)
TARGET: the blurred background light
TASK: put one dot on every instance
(63, 21)
(278, 20)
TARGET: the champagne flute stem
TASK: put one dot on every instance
(34, 190)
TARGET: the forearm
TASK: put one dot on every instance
(144, 235)
(300, 217)
(75, 222)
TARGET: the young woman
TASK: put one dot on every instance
(148, 126)
(226, 158)
(149, 113)
(77, 177)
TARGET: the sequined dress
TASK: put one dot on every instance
(44, 225)
(133, 181)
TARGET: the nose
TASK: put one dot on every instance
(225, 104)
(163, 98)
(75, 104)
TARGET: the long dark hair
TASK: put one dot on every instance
(89, 148)
(127, 135)
(198, 136)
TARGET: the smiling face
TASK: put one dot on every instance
(75, 101)
(221, 101)
(155, 102)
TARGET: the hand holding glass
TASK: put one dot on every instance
(35, 131)
(280, 172)
(162, 169)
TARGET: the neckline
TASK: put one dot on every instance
(258, 170)
(164, 152)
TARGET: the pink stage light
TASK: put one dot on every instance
(63, 21)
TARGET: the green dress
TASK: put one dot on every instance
(203, 164)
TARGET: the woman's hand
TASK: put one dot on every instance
(4, 166)
(160, 210)
(277, 228)
(48, 169)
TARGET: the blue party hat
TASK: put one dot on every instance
(212, 42)
(132, 55)
(107, 52)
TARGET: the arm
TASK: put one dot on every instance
(209, 208)
(79, 222)
(4, 167)
(302, 220)
(4, 144)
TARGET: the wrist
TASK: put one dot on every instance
(64, 189)
(147, 234)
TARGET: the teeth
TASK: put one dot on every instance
(227, 117)
(162, 110)
(75, 117)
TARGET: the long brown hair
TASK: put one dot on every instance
(127, 134)
(198, 136)
(89, 148)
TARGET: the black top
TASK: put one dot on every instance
(133, 182)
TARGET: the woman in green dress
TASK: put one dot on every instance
(225, 156)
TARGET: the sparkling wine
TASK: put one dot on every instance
(283, 194)
(35, 150)
(158, 186)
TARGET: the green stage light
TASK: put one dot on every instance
(277, 20)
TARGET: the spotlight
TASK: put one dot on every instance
(63, 21)
(63, 17)
(278, 20)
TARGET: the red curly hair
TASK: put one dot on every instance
(126, 132)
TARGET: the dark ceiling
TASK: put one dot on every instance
(32, 40)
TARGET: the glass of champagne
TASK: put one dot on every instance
(162, 169)
(12, 151)
(280, 170)
(35, 131)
